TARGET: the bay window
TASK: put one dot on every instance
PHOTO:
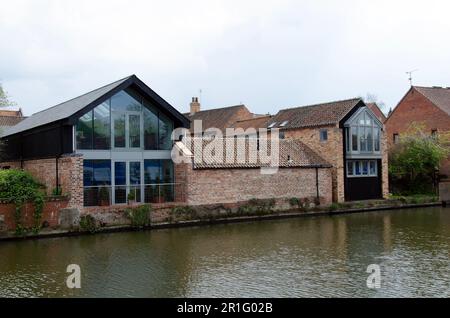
(362, 134)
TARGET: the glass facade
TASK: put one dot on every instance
(126, 124)
(97, 182)
(124, 121)
(363, 135)
(102, 133)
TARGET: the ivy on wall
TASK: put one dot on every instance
(19, 187)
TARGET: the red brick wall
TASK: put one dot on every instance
(212, 186)
(331, 150)
(70, 171)
(50, 214)
(416, 108)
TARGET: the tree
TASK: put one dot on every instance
(4, 98)
(413, 162)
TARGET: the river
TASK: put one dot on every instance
(322, 256)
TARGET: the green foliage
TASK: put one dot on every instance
(414, 160)
(4, 98)
(333, 207)
(131, 196)
(257, 206)
(19, 187)
(57, 191)
(139, 216)
(183, 212)
(88, 224)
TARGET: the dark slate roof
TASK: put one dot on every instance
(91, 99)
(439, 96)
(220, 118)
(376, 111)
(292, 153)
(313, 115)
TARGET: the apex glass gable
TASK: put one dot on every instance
(126, 121)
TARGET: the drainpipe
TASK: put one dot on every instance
(317, 183)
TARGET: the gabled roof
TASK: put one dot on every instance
(313, 115)
(256, 122)
(73, 108)
(11, 113)
(439, 96)
(220, 118)
(8, 121)
(292, 153)
(377, 111)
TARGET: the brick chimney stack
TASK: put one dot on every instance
(195, 105)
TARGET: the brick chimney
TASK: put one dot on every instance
(195, 105)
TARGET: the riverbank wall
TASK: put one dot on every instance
(59, 220)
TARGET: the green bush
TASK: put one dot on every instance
(139, 216)
(131, 196)
(19, 187)
(183, 212)
(57, 191)
(88, 224)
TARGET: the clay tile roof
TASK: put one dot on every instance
(256, 123)
(439, 96)
(11, 113)
(7, 121)
(313, 115)
(220, 118)
(377, 111)
(292, 153)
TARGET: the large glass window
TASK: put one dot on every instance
(97, 182)
(365, 134)
(134, 126)
(158, 178)
(120, 179)
(84, 131)
(124, 121)
(123, 101)
(119, 130)
(165, 131)
(150, 128)
(102, 129)
(355, 138)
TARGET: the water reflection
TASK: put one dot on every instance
(315, 257)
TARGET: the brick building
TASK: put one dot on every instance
(349, 136)
(427, 106)
(114, 143)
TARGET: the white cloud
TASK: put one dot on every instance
(268, 54)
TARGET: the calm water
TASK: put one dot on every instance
(316, 257)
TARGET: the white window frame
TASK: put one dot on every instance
(360, 163)
(353, 123)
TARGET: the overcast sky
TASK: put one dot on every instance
(266, 54)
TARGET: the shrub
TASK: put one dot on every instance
(333, 207)
(88, 224)
(182, 212)
(19, 187)
(139, 216)
(131, 196)
(57, 191)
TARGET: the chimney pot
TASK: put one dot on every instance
(195, 105)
